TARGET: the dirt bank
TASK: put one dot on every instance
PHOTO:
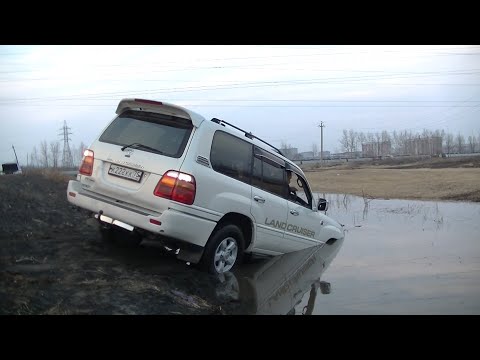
(53, 262)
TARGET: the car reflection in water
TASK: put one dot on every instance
(277, 285)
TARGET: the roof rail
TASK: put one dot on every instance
(247, 134)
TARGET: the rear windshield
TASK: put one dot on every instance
(164, 133)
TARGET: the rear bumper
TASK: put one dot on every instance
(174, 224)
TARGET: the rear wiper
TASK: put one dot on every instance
(141, 146)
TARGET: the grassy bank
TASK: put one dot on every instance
(461, 184)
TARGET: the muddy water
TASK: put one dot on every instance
(398, 257)
(403, 257)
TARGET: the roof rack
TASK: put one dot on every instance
(247, 134)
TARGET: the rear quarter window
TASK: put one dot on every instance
(231, 156)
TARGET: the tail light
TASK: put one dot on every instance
(177, 186)
(87, 163)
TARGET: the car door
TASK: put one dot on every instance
(303, 223)
(268, 203)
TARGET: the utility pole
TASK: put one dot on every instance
(15, 156)
(321, 126)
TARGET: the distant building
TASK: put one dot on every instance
(376, 149)
(306, 155)
(347, 155)
(325, 155)
(290, 153)
(310, 155)
(424, 146)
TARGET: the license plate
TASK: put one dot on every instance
(126, 173)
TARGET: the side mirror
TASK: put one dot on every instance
(322, 204)
(325, 287)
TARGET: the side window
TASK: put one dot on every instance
(231, 156)
(257, 172)
(268, 173)
(298, 190)
(273, 180)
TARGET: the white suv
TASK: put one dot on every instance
(207, 188)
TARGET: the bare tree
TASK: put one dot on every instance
(287, 150)
(315, 149)
(362, 138)
(460, 140)
(34, 157)
(77, 153)
(378, 137)
(370, 137)
(408, 142)
(439, 133)
(54, 153)
(44, 153)
(81, 149)
(386, 136)
(353, 140)
(344, 141)
(398, 142)
(449, 143)
(426, 133)
(472, 142)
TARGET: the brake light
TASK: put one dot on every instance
(151, 102)
(176, 186)
(87, 163)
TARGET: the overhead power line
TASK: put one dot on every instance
(207, 88)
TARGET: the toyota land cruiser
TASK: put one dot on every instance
(207, 188)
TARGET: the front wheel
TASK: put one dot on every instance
(224, 250)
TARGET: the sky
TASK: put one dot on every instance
(281, 93)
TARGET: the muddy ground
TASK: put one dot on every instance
(52, 261)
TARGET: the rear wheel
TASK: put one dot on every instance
(224, 250)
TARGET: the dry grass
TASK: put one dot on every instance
(51, 174)
(426, 184)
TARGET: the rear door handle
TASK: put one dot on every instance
(259, 199)
(294, 212)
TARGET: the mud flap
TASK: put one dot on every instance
(190, 253)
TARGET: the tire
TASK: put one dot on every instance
(224, 250)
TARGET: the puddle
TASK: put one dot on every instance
(277, 285)
(398, 257)
(404, 257)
